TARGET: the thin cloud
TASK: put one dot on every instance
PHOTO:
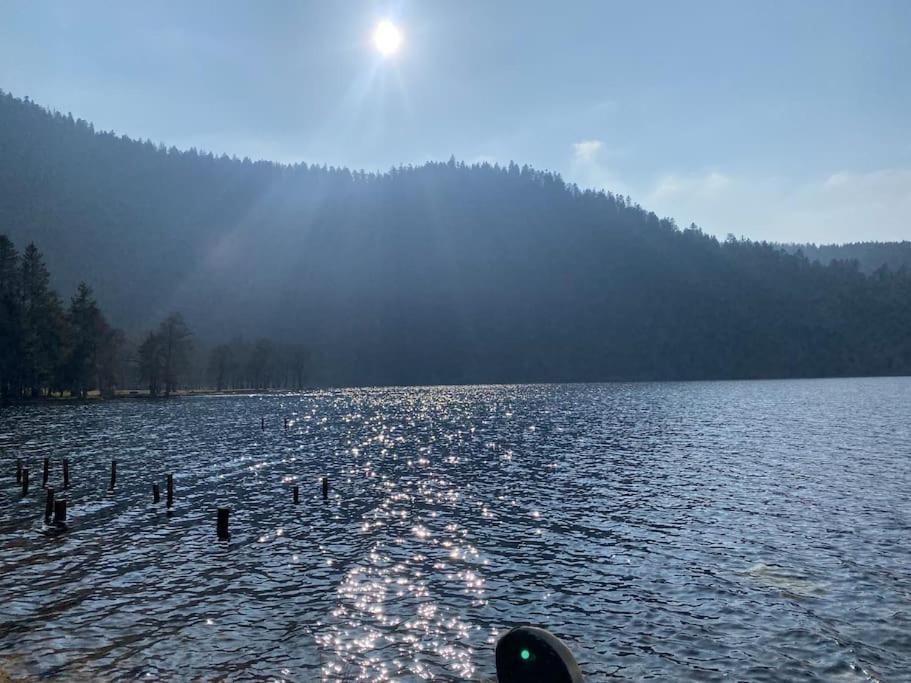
(712, 184)
(589, 167)
(587, 150)
(845, 206)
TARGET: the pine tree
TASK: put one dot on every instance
(111, 341)
(84, 327)
(151, 364)
(10, 321)
(220, 365)
(42, 325)
(176, 345)
(93, 347)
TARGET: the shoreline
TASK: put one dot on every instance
(143, 394)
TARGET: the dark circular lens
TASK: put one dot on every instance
(532, 655)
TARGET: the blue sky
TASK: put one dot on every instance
(776, 120)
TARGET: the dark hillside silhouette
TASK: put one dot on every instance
(443, 273)
(870, 256)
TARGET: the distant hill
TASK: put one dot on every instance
(869, 255)
(442, 273)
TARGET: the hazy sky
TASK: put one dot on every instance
(782, 120)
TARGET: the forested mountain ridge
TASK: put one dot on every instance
(443, 273)
(870, 256)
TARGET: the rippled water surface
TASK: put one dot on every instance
(737, 530)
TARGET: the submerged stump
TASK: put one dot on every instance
(48, 505)
(60, 511)
(221, 527)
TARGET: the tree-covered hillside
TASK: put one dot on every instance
(870, 256)
(439, 273)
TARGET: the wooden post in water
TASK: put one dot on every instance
(59, 510)
(48, 505)
(156, 494)
(170, 490)
(325, 488)
(286, 423)
(297, 497)
(222, 526)
(113, 475)
(25, 481)
(262, 423)
(47, 471)
(66, 473)
(19, 470)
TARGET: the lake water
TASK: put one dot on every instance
(753, 531)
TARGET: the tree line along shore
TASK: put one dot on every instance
(52, 351)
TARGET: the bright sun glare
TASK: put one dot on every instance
(387, 38)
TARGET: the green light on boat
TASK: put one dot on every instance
(525, 654)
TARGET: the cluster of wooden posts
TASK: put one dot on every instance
(55, 507)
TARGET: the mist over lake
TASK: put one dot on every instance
(754, 530)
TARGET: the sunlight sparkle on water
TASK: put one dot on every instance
(438, 535)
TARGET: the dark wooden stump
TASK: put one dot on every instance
(325, 488)
(170, 490)
(59, 510)
(297, 497)
(113, 475)
(25, 481)
(156, 494)
(222, 525)
(48, 505)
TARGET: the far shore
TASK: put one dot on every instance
(143, 394)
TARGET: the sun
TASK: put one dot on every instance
(387, 38)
